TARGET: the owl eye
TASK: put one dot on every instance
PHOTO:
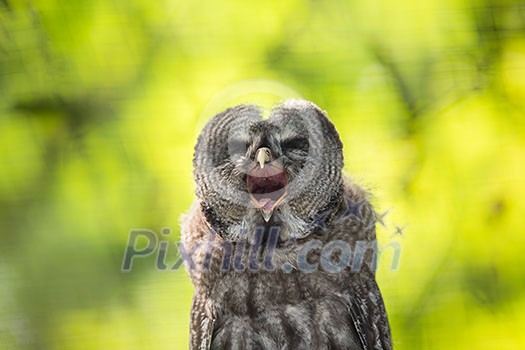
(296, 143)
(237, 147)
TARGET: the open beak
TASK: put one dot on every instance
(266, 183)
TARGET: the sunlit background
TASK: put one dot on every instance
(101, 102)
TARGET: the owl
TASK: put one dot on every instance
(279, 245)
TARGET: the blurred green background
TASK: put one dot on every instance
(101, 102)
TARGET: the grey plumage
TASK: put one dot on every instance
(280, 246)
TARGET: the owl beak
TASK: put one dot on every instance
(263, 155)
(267, 214)
(266, 186)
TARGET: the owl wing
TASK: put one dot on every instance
(368, 313)
(201, 324)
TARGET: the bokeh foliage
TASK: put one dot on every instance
(101, 101)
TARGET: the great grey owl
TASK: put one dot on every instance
(279, 245)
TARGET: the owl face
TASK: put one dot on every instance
(281, 171)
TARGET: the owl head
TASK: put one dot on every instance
(282, 171)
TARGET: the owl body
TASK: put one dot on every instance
(279, 245)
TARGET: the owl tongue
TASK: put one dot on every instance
(266, 203)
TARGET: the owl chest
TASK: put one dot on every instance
(281, 311)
